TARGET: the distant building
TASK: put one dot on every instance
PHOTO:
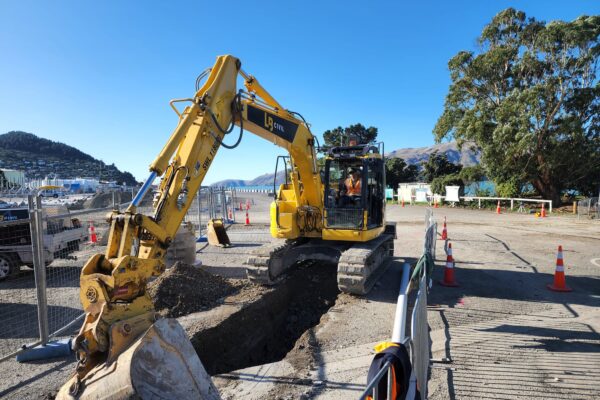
(77, 185)
(414, 191)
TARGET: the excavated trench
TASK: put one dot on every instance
(265, 330)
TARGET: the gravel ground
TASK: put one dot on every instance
(506, 335)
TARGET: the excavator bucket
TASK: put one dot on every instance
(161, 364)
(217, 235)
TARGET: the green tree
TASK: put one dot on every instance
(397, 171)
(472, 174)
(339, 136)
(438, 165)
(530, 100)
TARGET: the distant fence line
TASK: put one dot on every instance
(589, 208)
(511, 199)
(242, 190)
(431, 199)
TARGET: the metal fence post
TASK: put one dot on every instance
(199, 211)
(223, 205)
(39, 267)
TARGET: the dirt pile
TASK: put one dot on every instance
(104, 200)
(184, 289)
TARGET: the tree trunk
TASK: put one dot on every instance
(547, 190)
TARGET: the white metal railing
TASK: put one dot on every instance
(430, 199)
(418, 340)
(511, 199)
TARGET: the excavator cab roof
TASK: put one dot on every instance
(368, 150)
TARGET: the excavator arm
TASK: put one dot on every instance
(113, 285)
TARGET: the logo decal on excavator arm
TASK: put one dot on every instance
(273, 123)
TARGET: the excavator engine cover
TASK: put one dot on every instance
(217, 235)
(161, 364)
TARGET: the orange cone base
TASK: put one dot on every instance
(559, 289)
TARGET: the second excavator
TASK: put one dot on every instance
(331, 214)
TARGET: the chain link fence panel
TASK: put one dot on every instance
(588, 208)
(18, 297)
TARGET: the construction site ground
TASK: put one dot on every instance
(499, 335)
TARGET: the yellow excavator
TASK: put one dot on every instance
(124, 349)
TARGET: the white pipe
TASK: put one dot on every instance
(399, 332)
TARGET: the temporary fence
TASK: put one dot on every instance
(213, 202)
(42, 251)
(588, 208)
(417, 342)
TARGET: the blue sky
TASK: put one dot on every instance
(99, 75)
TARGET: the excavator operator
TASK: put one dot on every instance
(350, 188)
(353, 183)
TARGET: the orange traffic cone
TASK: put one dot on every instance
(92, 233)
(247, 216)
(403, 202)
(559, 285)
(543, 215)
(444, 231)
(435, 203)
(498, 208)
(449, 270)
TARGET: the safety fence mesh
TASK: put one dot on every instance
(417, 341)
(18, 298)
(39, 300)
(588, 208)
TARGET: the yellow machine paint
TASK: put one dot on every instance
(120, 319)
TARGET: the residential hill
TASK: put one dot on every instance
(39, 158)
(467, 156)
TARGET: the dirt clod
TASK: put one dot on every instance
(184, 289)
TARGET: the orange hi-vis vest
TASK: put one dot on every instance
(352, 187)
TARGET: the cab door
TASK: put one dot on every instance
(375, 192)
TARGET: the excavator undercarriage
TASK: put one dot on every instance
(359, 264)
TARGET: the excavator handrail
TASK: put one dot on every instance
(178, 101)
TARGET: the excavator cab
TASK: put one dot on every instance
(354, 187)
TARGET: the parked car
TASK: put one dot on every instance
(61, 236)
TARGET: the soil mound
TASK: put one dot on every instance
(184, 289)
(104, 200)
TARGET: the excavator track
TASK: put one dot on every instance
(359, 265)
(363, 264)
(265, 263)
